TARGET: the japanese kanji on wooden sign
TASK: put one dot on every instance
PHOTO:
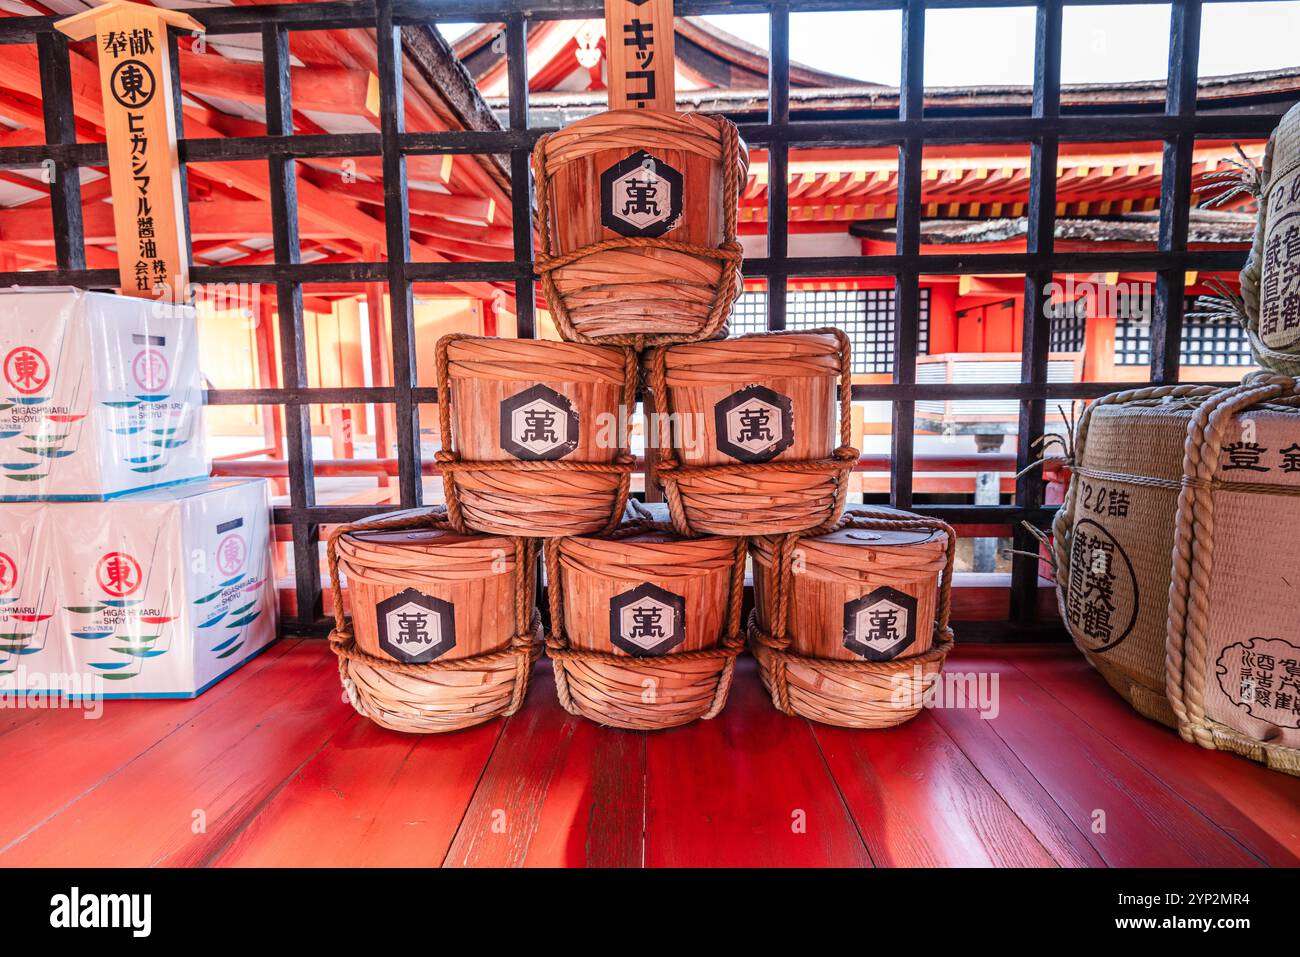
(140, 130)
(639, 54)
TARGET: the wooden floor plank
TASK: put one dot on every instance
(209, 777)
(370, 798)
(287, 774)
(748, 788)
(1129, 817)
(558, 791)
(1258, 807)
(919, 802)
(61, 754)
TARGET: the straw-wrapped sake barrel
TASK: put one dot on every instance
(443, 630)
(754, 433)
(645, 624)
(850, 627)
(1270, 280)
(533, 434)
(637, 220)
(1174, 551)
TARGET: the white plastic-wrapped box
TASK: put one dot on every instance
(165, 592)
(100, 395)
(31, 651)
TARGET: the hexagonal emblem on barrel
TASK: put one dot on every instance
(415, 627)
(879, 625)
(538, 424)
(640, 196)
(647, 620)
(754, 424)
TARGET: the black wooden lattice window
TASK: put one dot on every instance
(1044, 127)
(1206, 341)
(868, 316)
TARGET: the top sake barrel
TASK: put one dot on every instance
(1174, 550)
(637, 213)
(1270, 280)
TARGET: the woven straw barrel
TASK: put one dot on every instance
(443, 629)
(637, 219)
(1270, 280)
(754, 432)
(651, 624)
(1173, 550)
(532, 435)
(850, 627)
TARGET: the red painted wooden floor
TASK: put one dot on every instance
(272, 768)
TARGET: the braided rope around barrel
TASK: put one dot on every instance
(671, 472)
(524, 648)
(773, 649)
(1187, 648)
(729, 253)
(450, 463)
(725, 654)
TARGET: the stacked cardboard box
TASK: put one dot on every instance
(124, 572)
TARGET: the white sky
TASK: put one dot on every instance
(996, 46)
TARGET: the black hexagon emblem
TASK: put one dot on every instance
(640, 196)
(879, 625)
(538, 424)
(754, 424)
(415, 627)
(647, 621)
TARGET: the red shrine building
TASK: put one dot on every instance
(842, 202)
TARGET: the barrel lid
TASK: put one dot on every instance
(880, 538)
(417, 537)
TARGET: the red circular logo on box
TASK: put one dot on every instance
(150, 369)
(231, 552)
(8, 573)
(118, 574)
(27, 370)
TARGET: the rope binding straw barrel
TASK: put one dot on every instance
(773, 648)
(708, 135)
(450, 463)
(604, 706)
(1212, 411)
(672, 472)
(400, 711)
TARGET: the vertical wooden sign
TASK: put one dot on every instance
(140, 130)
(639, 55)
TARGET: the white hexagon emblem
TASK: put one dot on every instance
(754, 424)
(538, 424)
(879, 625)
(647, 620)
(640, 196)
(415, 627)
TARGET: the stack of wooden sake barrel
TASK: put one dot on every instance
(1173, 548)
(749, 439)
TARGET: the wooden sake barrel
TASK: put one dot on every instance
(754, 432)
(1173, 549)
(532, 434)
(850, 626)
(1270, 281)
(443, 629)
(651, 624)
(637, 220)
